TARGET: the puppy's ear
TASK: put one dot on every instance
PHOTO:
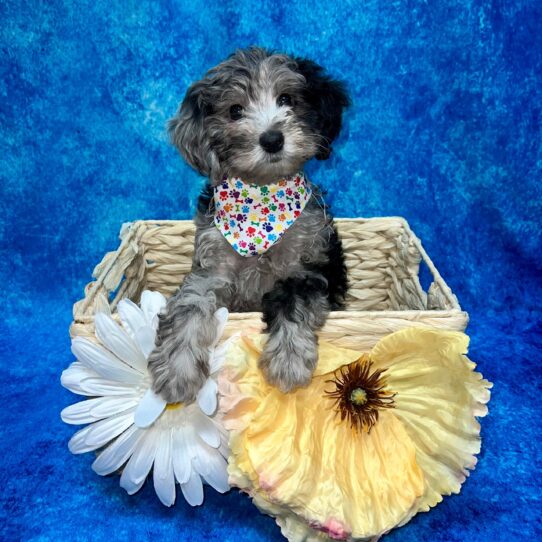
(327, 98)
(188, 134)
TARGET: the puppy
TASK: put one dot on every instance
(250, 125)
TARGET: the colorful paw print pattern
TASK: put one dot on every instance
(253, 218)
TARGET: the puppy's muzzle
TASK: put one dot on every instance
(272, 141)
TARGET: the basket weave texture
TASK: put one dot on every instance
(383, 259)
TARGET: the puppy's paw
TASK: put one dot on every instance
(178, 376)
(288, 366)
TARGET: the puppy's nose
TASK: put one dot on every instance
(272, 141)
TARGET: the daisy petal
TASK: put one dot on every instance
(129, 485)
(119, 342)
(140, 463)
(131, 316)
(102, 432)
(193, 490)
(145, 337)
(218, 355)
(118, 452)
(206, 397)
(206, 430)
(149, 409)
(72, 376)
(96, 435)
(221, 317)
(101, 386)
(92, 410)
(182, 462)
(224, 448)
(217, 475)
(151, 305)
(162, 460)
(163, 476)
(109, 406)
(77, 444)
(201, 460)
(98, 359)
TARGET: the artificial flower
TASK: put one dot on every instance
(371, 441)
(132, 428)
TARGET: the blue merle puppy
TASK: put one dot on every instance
(258, 117)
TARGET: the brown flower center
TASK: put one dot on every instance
(360, 393)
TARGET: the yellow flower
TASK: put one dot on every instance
(372, 440)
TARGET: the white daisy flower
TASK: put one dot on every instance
(133, 428)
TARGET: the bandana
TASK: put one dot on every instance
(253, 218)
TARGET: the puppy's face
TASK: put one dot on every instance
(258, 116)
(260, 127)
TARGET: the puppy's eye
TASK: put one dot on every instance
(284, 100)
(236, 112)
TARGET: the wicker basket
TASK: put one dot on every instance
(382, 256)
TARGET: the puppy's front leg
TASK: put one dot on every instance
(293, 310)
(179, 364)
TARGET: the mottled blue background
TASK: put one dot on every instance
(444, 130)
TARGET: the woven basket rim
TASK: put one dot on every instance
(342, 314)
(130, 232)
(358, 327)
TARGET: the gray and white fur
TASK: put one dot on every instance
(259, 116)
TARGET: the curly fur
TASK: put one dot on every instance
(299, 279)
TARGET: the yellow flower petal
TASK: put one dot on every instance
(321, 480)
(438, 397)
(314, 465)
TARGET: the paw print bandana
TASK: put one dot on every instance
(253, 218)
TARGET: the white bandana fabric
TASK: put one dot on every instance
(253, 218)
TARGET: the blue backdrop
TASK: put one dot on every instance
(444, 130)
